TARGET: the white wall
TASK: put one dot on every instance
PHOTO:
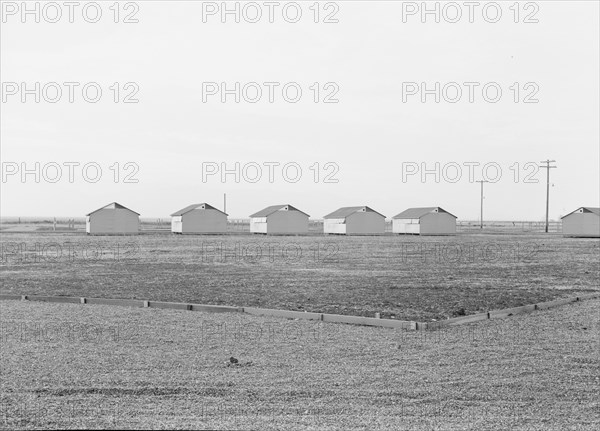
(176, 224)
(581, 224)
(258, 225)
(113, 221)
(334, 225)
(403, 225)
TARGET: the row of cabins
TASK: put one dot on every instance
(286, 219)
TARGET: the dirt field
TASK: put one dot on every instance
(77, 366)
(408, 278)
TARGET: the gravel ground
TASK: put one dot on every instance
(74, 366)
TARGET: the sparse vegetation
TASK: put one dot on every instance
(178, 370)
(407, 278)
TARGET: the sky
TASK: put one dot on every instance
(366, 128)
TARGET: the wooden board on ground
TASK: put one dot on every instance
(288, 314)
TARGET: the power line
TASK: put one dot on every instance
(481, 216)
(547, 167)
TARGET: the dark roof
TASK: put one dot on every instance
(112, 206)
(346, 211)
(274, 208)
(585, 210)
(420, 212)
(195, 206)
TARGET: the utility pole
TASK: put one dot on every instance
(481, 216)
(225, 203)
(547, 167)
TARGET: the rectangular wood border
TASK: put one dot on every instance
(456, 321)
(369, 321)
(119, 302)
(59, 299)
(11, 297)
(556, 303)
(498, 314)
(216, 308)
(289, 314)
(169, 305)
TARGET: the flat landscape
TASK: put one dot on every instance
(400, 277)
(73, 366)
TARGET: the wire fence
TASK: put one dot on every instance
(509, 226)
(242, 225)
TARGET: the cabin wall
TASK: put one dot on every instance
(258, 225)
(406, 226)
(334, 225)
(176, 224)
(113, 221)
(438, 224)
(581, 224)
(287, 222)
(201, 221)
(365, 223)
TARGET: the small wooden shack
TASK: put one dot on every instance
(583, 222)
(424, 221)
(199, 219)
(279, 219)
(359, 220)
(112, 219)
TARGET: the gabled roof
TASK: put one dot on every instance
(585, 210)
(113, 206)
(420, 212)
(347, 211)
(203, 206)
(274, 208)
